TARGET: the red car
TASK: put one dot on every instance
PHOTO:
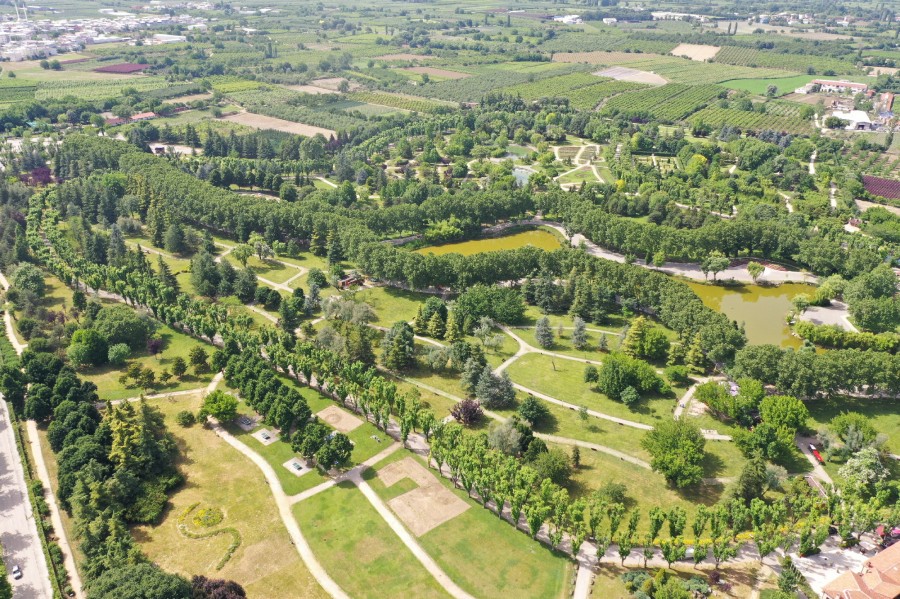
(816, 453)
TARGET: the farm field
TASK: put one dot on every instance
(260, 121)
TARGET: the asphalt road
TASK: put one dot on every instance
(18, 533)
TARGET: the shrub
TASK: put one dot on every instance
(118, 353)
(185, 418)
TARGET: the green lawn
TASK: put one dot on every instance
(645, 489)
(266, 563)
(564, 380)
(358, 549)
(268, 269)
(176, 344)
(882, 412)
(391, 305)
(510, 564)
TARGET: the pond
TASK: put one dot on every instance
(522, 174)
(760, 309)
(538, 238)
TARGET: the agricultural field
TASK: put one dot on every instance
(715, 116)
(668, 103)
(749, 57)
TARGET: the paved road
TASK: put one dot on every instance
(18, 532)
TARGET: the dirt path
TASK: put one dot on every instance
(787, 202)
(688, 396)
(812, 162)
(831, 195)
(327, 182)
(818, 471)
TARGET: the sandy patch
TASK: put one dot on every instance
(401, 56)
(863, 205)
(174, 148)
(626, 74)
(698, 52)
(340, 420)
(259, 121)
(437, 72)
(333, 83)
(310, 89)
(426, 507)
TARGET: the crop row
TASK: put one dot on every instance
(276, 102)
(472, 89)
(669, 102)
(396, 101)
(589, 97)
(716, 116)
(683, 70)
(97, 90)
(17, 93)
(800, 63)
(554, 87)
(227, 84)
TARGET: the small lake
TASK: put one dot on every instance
(535, 237)
(760, 309)
(522, 175)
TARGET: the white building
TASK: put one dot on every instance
(857, 120)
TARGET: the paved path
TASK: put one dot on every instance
(812, 162)
(688, 269)
(583, 580)
(686, 399)
(40, 467)
(831, 195)
(594, 447)
(284, 510)
(327, 182)
(18, 530)
(817, 471)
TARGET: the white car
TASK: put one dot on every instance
(17, 572)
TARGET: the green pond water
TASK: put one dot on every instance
(537, 238)
(760, 309)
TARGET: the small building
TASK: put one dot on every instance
(143, 116)
(610, 21)
(879, 578)
(857, 120)
(350, 281)
(839, 87)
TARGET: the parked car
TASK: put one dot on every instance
(17, 572)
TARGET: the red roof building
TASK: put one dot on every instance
(879, 579)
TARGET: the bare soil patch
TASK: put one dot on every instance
(401, 56)
(259, 121)
(884, 70)
(426, 507)
(626, 74)
(310, 89)
(437, 72)
(339, 420)
(698, 52)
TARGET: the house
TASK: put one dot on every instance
(857, 120)
(143, 116)
(839, 87)
(878, 579)
(610, 21)
(349, 281)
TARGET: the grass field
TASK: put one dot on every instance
(358, 549)
(390, 304)
(266, 564)
(509, 562)
(176, 344)
(883, 413)
(564, 380)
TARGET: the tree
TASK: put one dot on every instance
(179, 366)
(334, 452)
(138, 581)
(553, 465)
(220, 405)
(467, 411)
(398, 347)
(676, 447)
(863, 472)
(790, 578)
(543, 333)
(672, 550)
(505, 437)
(216, 588)
(121, 324)
(579, 334)
(242, 253)
(198, 358)
(118, 353)
(436, 326)
(785, 410)
(495, 392)
(755, 269)
(677, 518)
(533, 410)
(714, 263)
(29, 278)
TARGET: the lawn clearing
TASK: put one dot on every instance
(564, 380)
(259, 121)
(882, 412)
(358, 549)
(390, 304)
(509, 562)
(266, 564)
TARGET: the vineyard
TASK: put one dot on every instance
(276, 103)
(397, 101)
(885, 188)
(556, 87)
(670, 102)
(750, 57)
(16, 90)
(716, 116)
(873, 163)
(227, 84)
(793, 110)
(472, 89)
(684, 70)
(589, 97)
(590, 42)
(97, 90)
